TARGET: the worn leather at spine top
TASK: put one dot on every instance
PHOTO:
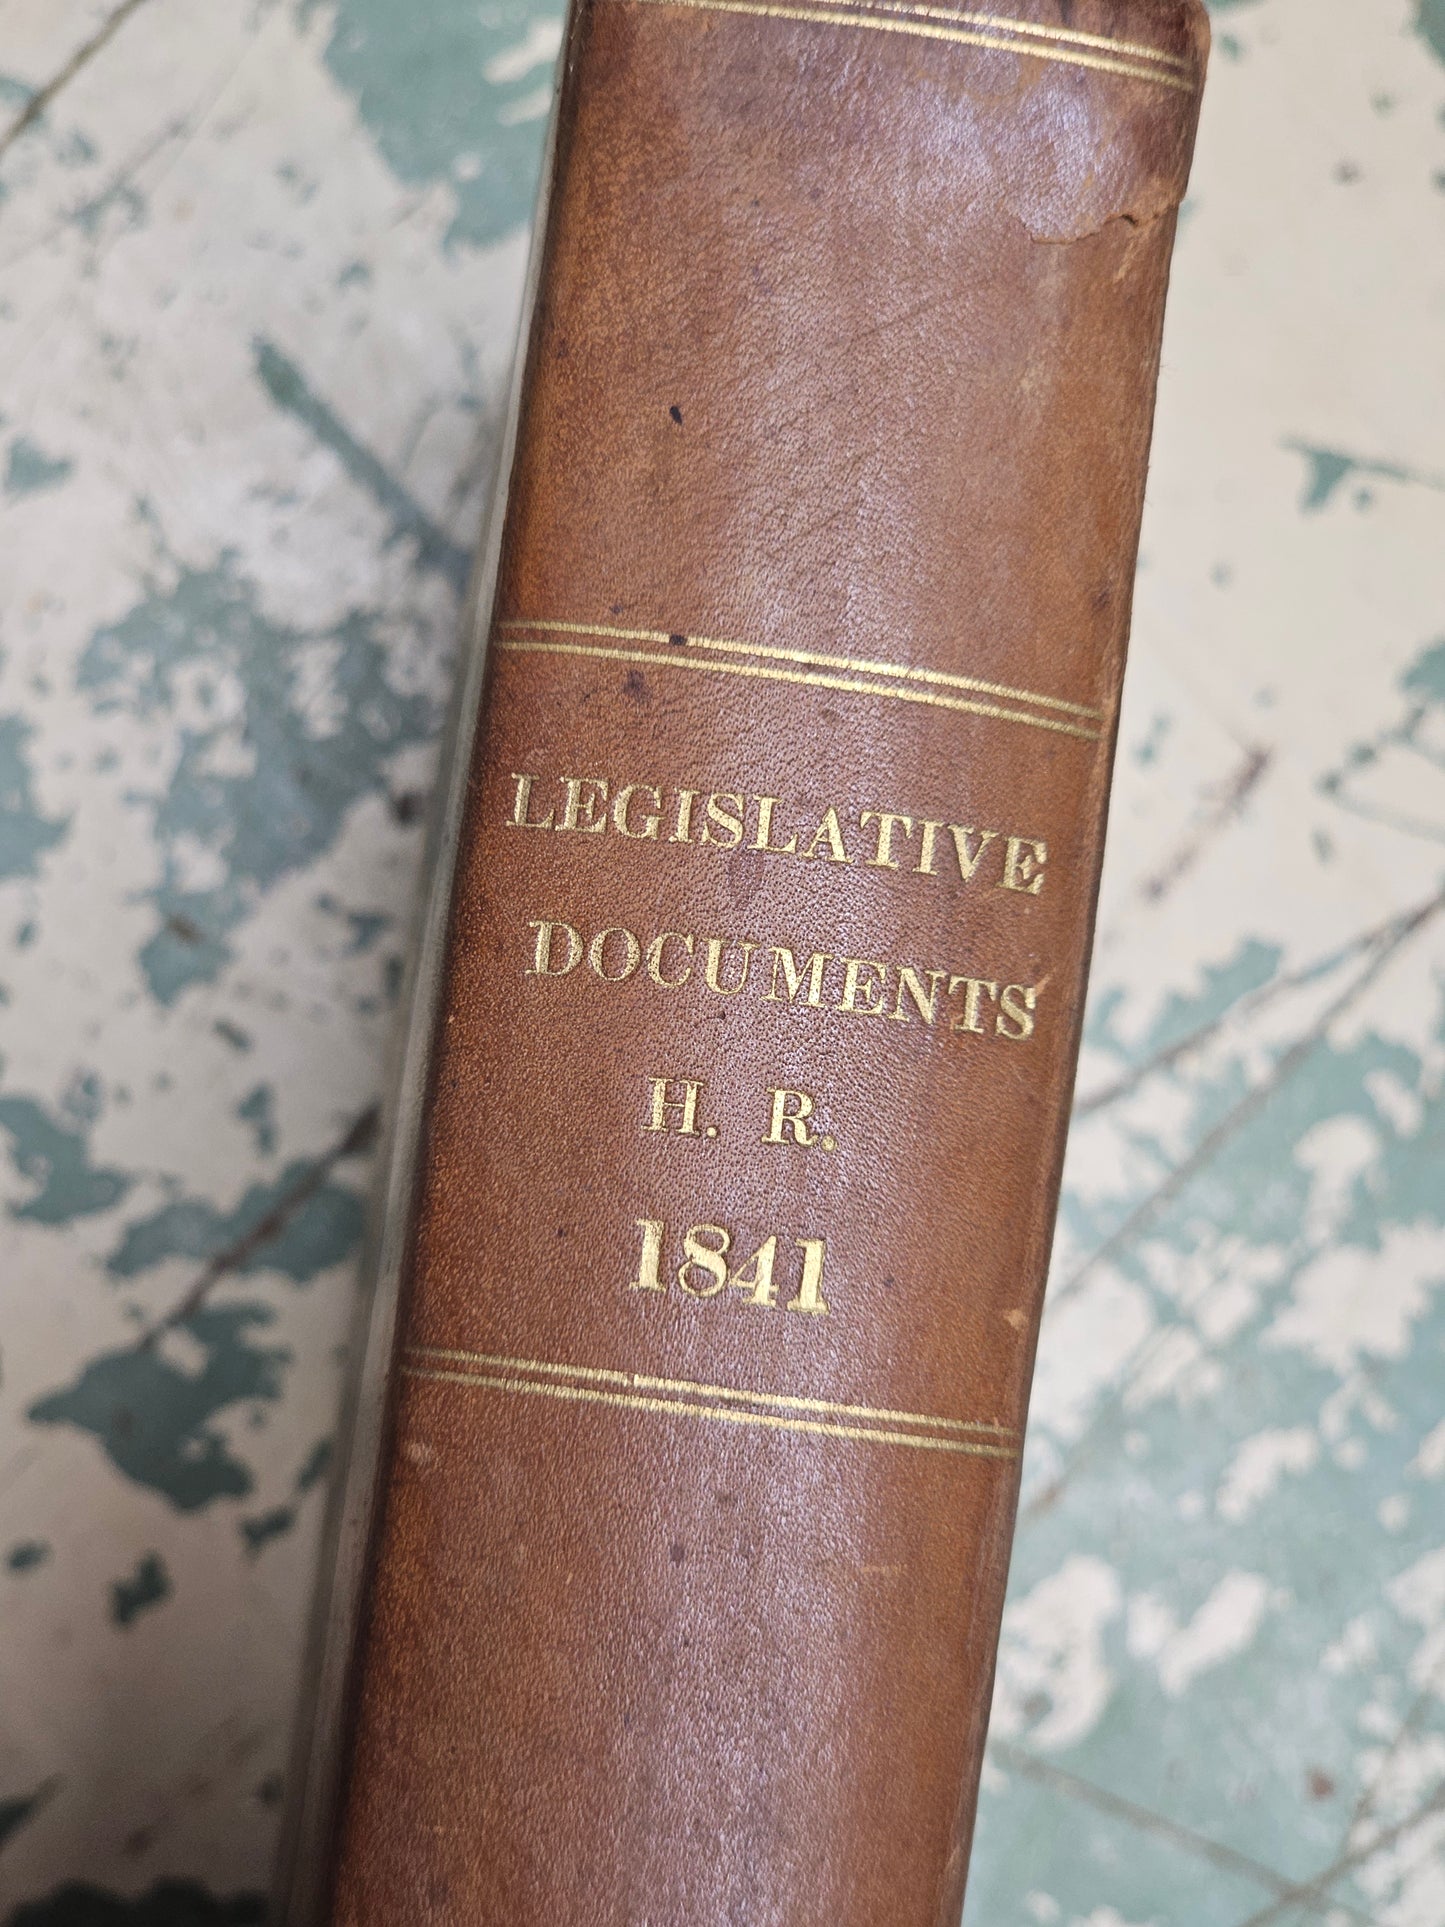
(758, 1009)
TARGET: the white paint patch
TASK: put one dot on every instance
(1259, 1465)
(318, 701)
(1429, 1461)
(541, 43)
(1419, 1596)
(196, 865)
(1352, 1304)
(1224, 1626)
(1396, 1102)
(1176, 1366)
(1352, 1651)
(1336, 1153)
(1087, 1338)
(533, 106)
(1052, 1676)
(1358, 1397)
(1403, 1879)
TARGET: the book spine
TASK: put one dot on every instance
(754, 1021)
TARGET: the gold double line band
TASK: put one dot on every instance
(897, 682)
(1130, 59)
(725, 1404)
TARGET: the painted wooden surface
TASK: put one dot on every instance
(260, 265)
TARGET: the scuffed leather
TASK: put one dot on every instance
(847, 343)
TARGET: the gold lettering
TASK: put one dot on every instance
(854, 983)
(829, 832)
(974, 991)
(863, 987)
(968, 860)
(597, 955)
(622, 803)
(910, 980)
(683, 831)
(1023, 865)
(927, 831)
(887, 821)
(707, 1260)
(793, 977)
(756, 1276)
(654, 960)
(542, 964)
(764, 839)
(726, 820)
(716, 946)
(791, 1111)
(579, 812)
(1018, 1003)
(704, 1271)
(522, 806)
(663, 1102)
(810, 1289)
(649, 1277)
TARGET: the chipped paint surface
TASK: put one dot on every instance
(263, 263)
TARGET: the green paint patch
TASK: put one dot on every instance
(316, 1466)
(15, 1813)
(365, 926)
(454, 93)
(26, 1555)
(54, 1156)
(1430, 25)
(264, 791)
(122, 200)
(29, 469)
(259, 1111)
(157, 1422)
(1252, 965)
(1425, 678)
(293, 1226)
(170, 1903)
(1329, 1184)
(147, 1586)
(1330, 468)
(289, 389)
(25, 834)
(1412, 735)
(257, 1533)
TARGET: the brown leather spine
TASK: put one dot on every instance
(760, 1002)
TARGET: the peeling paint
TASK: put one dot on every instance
(147, 1586)
(446, 94)
(324, 1230)
(159, 1423)
(25, 832)
(53, 1155)
(252, 788)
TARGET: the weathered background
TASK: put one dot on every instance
(260, 265)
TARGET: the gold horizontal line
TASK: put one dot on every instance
(643, 1382)
(680, 1408)
(1130, 69)
(1070, 36)
(812, 680)
(902, 671)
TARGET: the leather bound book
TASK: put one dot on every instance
(724, 1188)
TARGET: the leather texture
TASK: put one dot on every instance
(825, 507)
